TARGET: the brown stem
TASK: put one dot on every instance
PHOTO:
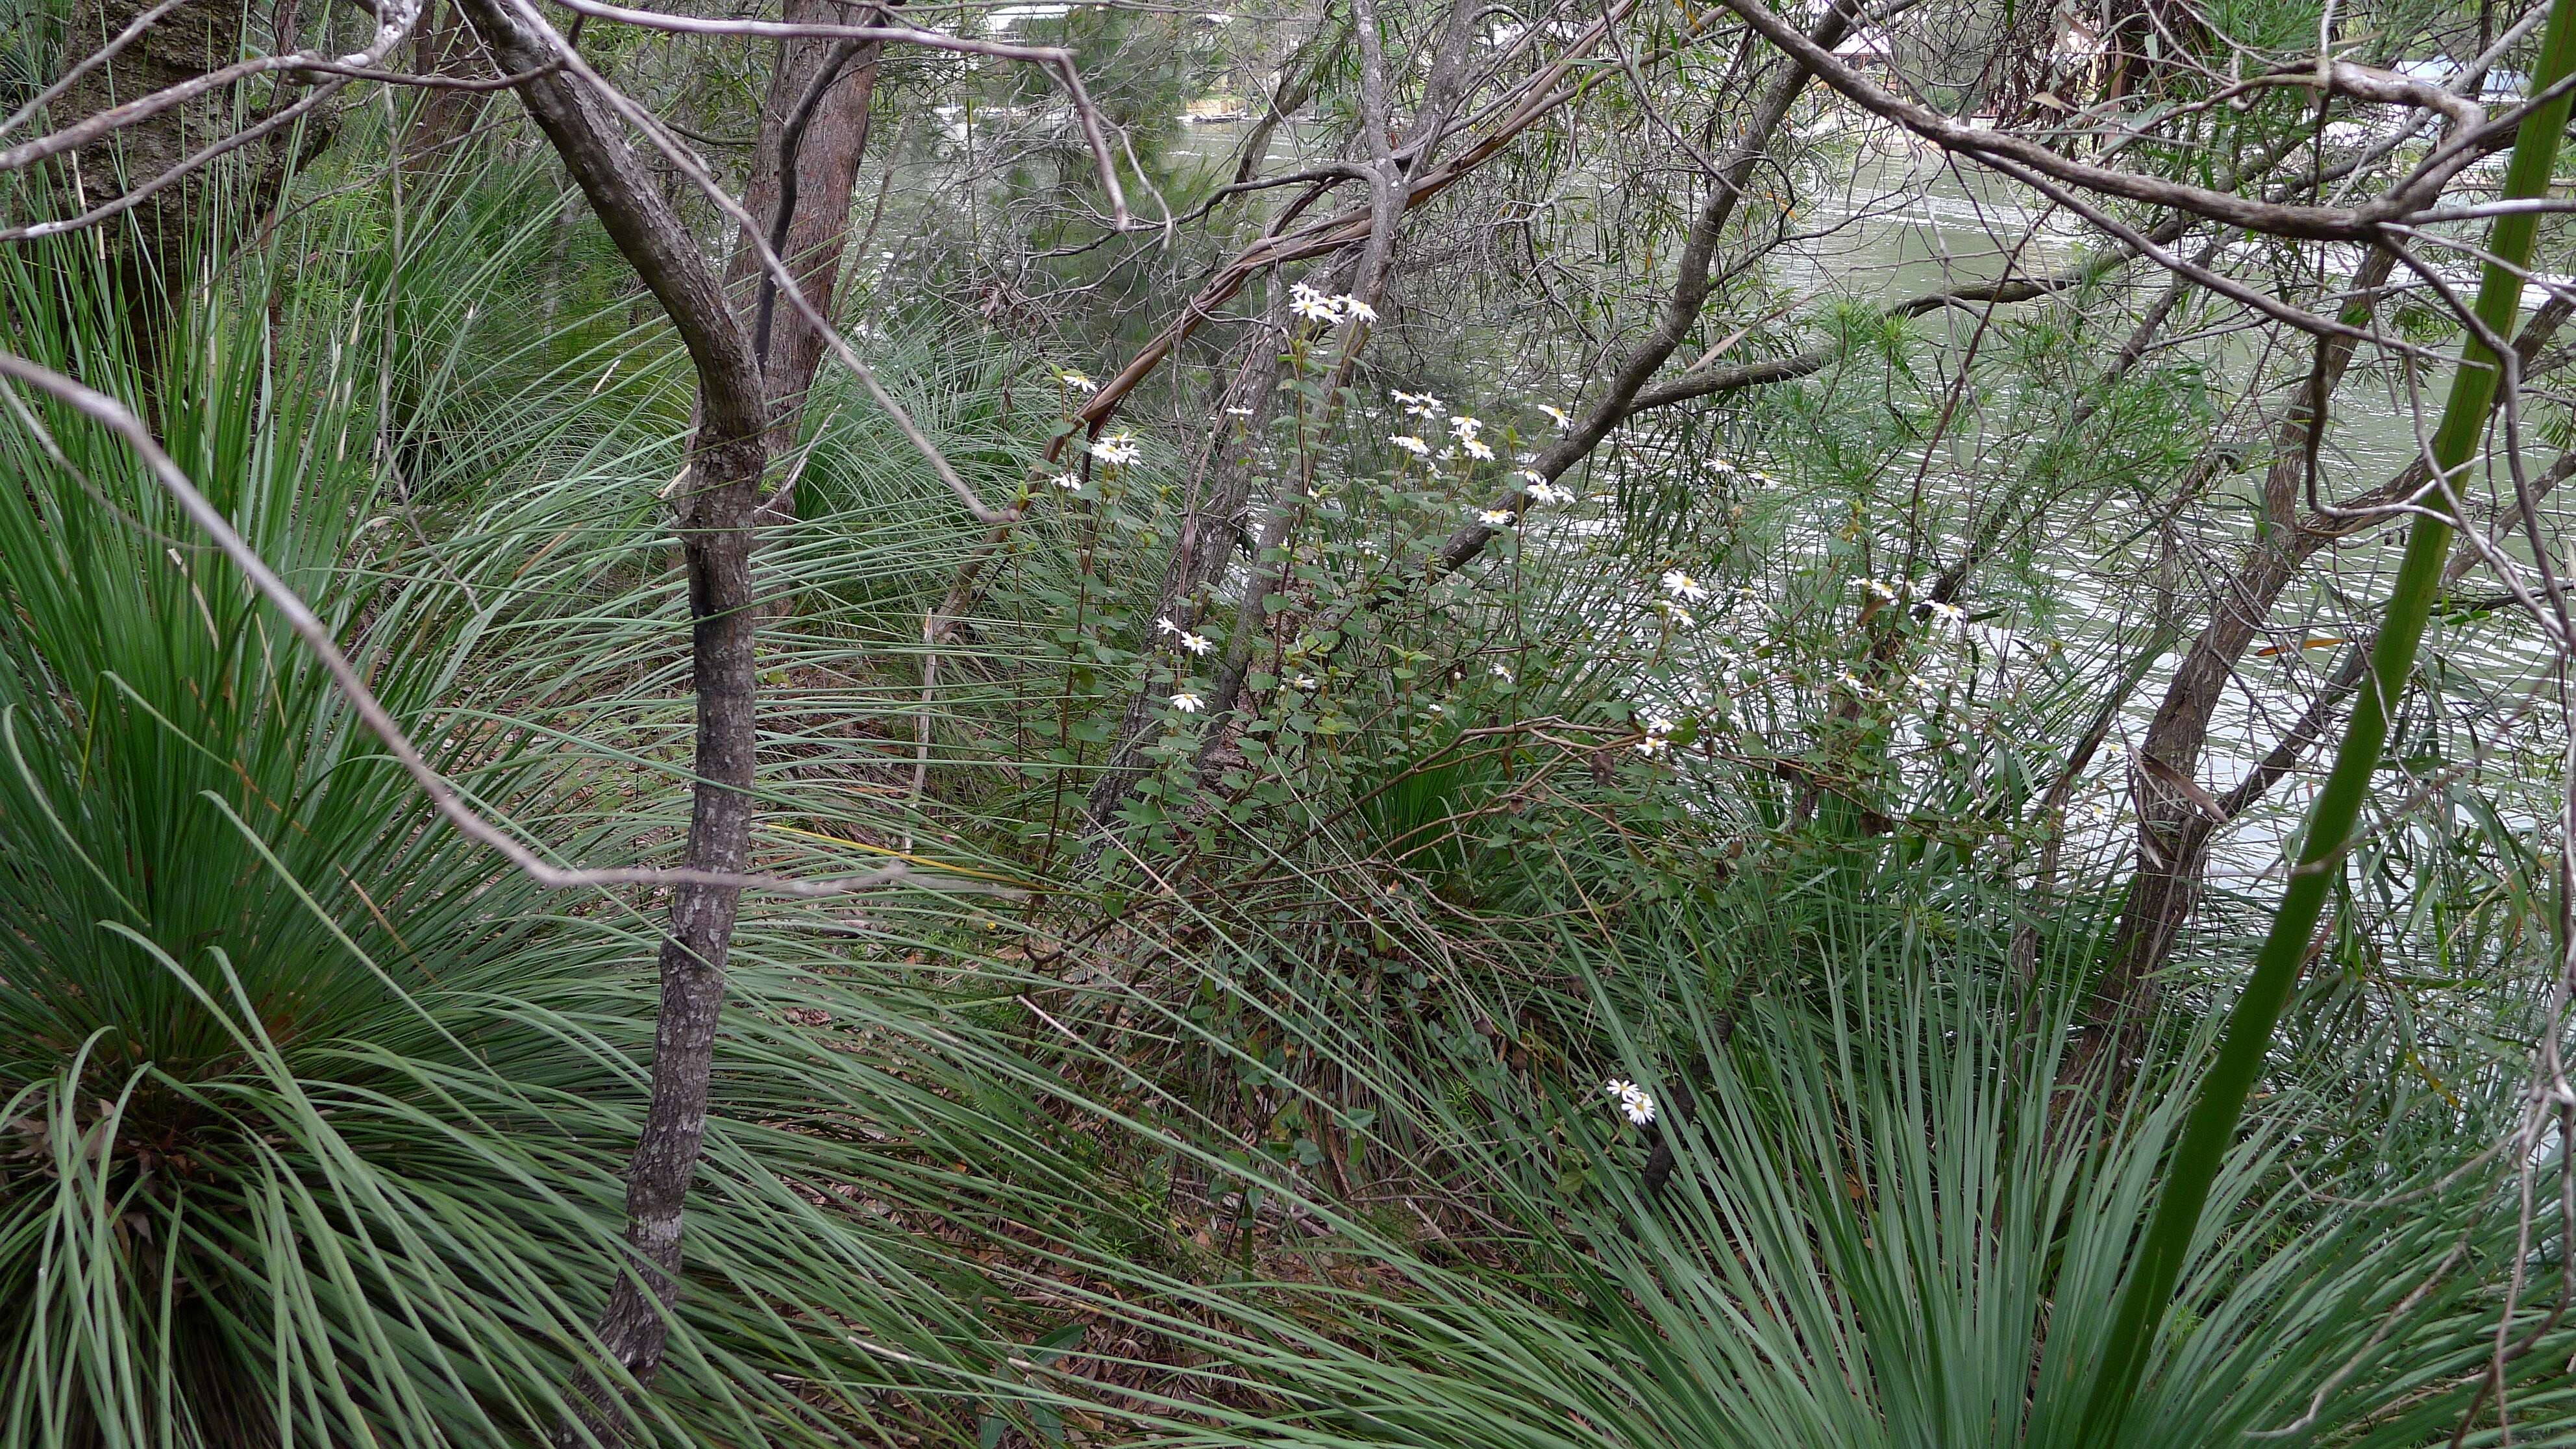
(1693, 280)
(813, 135)
(2173, 832)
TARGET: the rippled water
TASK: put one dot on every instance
(1908, 222)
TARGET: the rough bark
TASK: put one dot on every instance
(152, 252)
(444, 46)
(829, 147)
(716, 505)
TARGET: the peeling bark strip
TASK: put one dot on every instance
(725, 467)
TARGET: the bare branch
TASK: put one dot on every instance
(83, 66)
(2025, 158)
(394, 23)
(178, 173)
(1053, 58)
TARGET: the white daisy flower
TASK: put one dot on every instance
(1479, 451)
(1465, 428)
(1166, 626)
(1495, 517)
(1304, 681)
(1557, 416)
(1681, 618)
(1411, 444)
(1503, 672)
(1238, 412)
(1877, 590)
(1117, 450)
(1950, 614)
(1418, 404)
(1312, 305)
(1352, 309)
(1639, 1108)
(1682, 586)
(1188, 703)
(1078, 382)
(1542, 491)
(1195, 643)
(1852, 682)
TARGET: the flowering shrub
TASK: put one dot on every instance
(1579, 686)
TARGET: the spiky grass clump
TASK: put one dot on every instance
(1889, 1220)
(316, 1116)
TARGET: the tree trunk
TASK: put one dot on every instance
(2174, 832)
(728, 457)
(829, 146)
(444, 46)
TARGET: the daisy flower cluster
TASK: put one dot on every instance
(1314, 306)
(1194, 644)
(1189, 640)
(1682, 587)
(1542, 491)
(1659, 728)
(1680, 590)
(1634, 1102)
(1724, 468)
(1118, 450)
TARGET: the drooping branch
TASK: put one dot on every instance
(2017, 154)
(2173, 834)
(1370, 270)
(1578, 443)
(1527, 104)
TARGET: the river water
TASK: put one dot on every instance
(1901, 220)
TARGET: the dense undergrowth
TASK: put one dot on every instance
(1271, 1114)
